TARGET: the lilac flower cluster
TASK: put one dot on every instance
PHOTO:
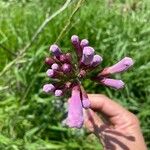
(67, 76)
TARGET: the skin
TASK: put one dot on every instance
(120, 131)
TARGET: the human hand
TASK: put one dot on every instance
(121, 130)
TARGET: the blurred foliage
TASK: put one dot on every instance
(31, 120)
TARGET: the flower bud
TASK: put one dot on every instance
(87, 56)
(49, 61)
(54, 74)
(58, 92)
(121, 66)
(66, 68)
(62, 58)
(96, 60)
(75, 40)
(48, 88)
(55, 66)
(65, 58)
(84, 43)
(117, 84)
(68, 57)
(76, 43)
(50, 73)
(55, 50)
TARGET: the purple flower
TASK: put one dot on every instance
(55, 50)
(48, 88)
(67, 74)
(96, 60)
(50, 73)
(87, 56)
(75, 40)
(65, 58)
(84, 43)
(54, 73)
(117, 84)
(121, 66)
(55, 66)
(58, 92)
(76, 43)
(75, 110)
(66, 68)
(49, 61)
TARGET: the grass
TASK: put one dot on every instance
(116, 29)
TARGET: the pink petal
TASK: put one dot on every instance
(96, 60)
(76, 43)
(66, 68)
(84, 43)
(75, 110)
(87, 56)
(117, 84)
(121, 66)
(55, 50)
(48, 88)
(55, 66)
(50, 72)
(58, 92)
(49, 61)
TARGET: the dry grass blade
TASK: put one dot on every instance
(69, 20)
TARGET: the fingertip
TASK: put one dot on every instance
(97, 100)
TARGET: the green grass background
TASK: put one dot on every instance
(31, 120)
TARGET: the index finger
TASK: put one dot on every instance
(118, 115)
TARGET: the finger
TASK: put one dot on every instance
(104, 104)
(118, 115)
(92, 121)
